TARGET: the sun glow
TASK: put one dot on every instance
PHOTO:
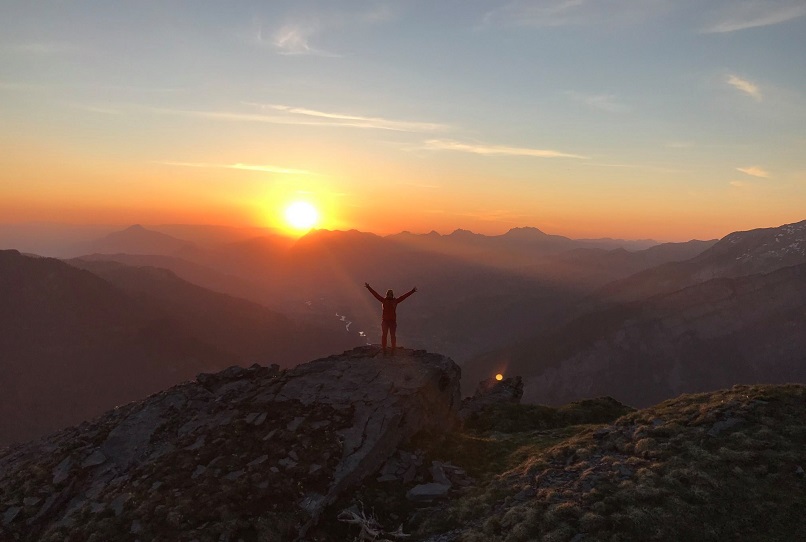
(301, 215)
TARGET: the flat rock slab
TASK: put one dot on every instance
(246, 453)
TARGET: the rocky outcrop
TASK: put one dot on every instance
(245, 453)
(492, 392)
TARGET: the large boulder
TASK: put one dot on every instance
(245, 453)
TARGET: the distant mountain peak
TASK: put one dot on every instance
(137, 239)
(459, 232)
(525, 232)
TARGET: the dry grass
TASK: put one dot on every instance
(705, 467)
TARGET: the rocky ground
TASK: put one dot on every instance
(364, 447)
(245, 454)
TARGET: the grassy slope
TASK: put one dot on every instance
(713, 466)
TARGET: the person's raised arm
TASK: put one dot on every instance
(407, 294)
(376, 294)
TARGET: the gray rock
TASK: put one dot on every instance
(119, 502)
(234, 475)
(427, 492)
(62, 470)
(438, 474)
(196, 445)
(257, 461)
(31, 501)
(11, 514)
(260, 419)
(294, 424)
(287, 463)
(96, 458)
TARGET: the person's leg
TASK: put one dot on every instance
(384, 331)
(392, 330)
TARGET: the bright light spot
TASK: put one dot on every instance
(499, 376)
(301, 215)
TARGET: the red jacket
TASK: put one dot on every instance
(389, 304)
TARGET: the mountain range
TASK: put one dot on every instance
(573, 317)
(732, 314)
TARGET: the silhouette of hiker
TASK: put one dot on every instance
(389, 318)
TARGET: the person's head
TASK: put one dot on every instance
(389, 294)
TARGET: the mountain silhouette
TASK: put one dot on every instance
(740, 253)
(137, 240)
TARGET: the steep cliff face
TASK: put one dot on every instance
(246, 453)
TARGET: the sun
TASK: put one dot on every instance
(301, 215)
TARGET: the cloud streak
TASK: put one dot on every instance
(548, 13)
(743, 85)
(304, 117)
(754, 171)
(353, 121)
(294, 39)
(602, 102)
(756, 13)
(496, 150)
(245, 167)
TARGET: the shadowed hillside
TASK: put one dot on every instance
(709, 336)
(73, 344)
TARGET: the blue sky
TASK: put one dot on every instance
(628, 118)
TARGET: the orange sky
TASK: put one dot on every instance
(641, 121)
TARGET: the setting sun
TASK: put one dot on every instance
(301, 215)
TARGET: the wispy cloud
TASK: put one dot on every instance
(602, 102)
(246, 167)
(355, 121)
(754, 171)
(544, 13)
(748, 87)
(647, 167)
(295, 39)
(754, 13)
(303, 117)
(738, 184)
(496, 150)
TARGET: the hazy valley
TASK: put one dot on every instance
(371, 441)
